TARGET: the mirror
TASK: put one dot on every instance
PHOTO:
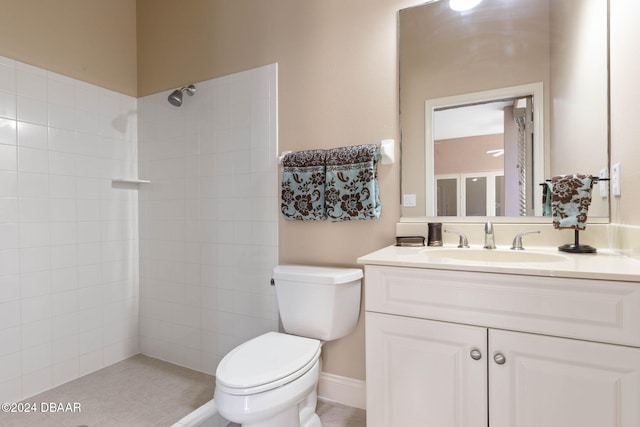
(532, 77)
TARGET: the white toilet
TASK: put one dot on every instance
(271, 380)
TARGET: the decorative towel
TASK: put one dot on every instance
(303, 183)
(351, 190)
(570, 200)
(547, 191)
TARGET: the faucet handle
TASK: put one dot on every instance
(463, 242)
(517, 241)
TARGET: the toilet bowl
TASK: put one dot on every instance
(271, 380)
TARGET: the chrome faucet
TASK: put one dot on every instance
(463, 242)
(489, 238)
(517, 241)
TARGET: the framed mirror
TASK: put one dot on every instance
(495, 99)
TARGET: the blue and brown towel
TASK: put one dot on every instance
(303, 184)
(351, 190)
(570, 200)
(339, 184)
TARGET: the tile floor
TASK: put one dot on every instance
(141, 392)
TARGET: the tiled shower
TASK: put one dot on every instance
(208, 219)
(92, 271)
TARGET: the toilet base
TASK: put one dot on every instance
(291, 405)
(301, 415)
(289, 418)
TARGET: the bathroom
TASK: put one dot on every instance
(336, 69)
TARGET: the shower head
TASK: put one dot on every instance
(175, 98)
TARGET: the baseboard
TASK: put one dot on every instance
(343, 390)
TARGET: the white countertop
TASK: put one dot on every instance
(604, 265)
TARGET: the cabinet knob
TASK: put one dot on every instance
(476, 354)
(499, 358)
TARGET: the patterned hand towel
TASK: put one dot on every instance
(351, 190)
(303, 182)
(570, 200)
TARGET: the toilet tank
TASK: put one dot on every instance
(318, 302)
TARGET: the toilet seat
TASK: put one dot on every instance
(266, 362)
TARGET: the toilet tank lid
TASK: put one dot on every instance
(313, 274)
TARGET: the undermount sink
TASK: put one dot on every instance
(492, 255)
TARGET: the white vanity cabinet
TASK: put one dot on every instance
(467, 349)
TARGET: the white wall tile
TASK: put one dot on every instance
(62, 140)
(36, 308)
(62, 187)
(9, 236)
(32, 136)
(7, 105)
(10, 339)
(8, 209)
(34, 234)
(33, 160)
(33, 184)
(200, 202)
(32, 83)
(91, 362)
(62, 163)
(10, 366)
(64, 349)
(36, 333)
(8, 184)
(34, 209)
(9, 289)
(64, 279)
(62, 117)
(8, 158)
(90, 319)
(89, 275)
(66, 371)
(8, 134)
(35, 259)
(63, 210)
(36, 358)
(60, 90)
(64, 325)
(53, 175)
(37, 381)
(63, 233)
(8, 78)
(35, 284)
(32, 110)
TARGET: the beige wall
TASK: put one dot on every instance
(337, 86)
(583, 129)
(625, 125)
(93, 41)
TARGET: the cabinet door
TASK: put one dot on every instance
(421, 373)
(558, 382)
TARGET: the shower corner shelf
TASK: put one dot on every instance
(130, 181)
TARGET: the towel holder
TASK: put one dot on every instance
(576, 247)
